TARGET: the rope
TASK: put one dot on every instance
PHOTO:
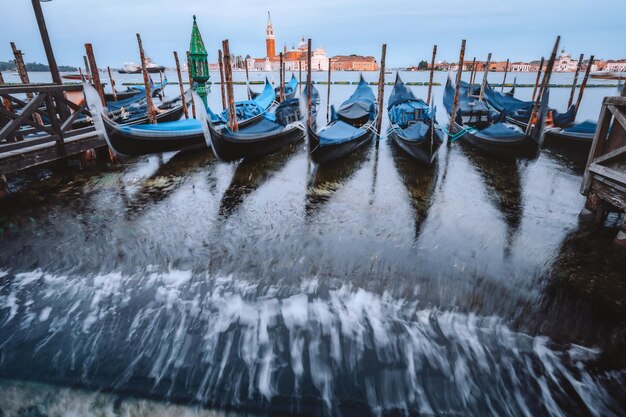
(460, 134)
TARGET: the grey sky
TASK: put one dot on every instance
(510, 29)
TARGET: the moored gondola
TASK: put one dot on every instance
(577, 137)
(413, 125)
(274, 131)
(475, 125)
(351, 127)
(290, 89)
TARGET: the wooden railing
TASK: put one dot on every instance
(40, 117)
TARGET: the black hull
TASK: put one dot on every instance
(571, 141)
(131, 145)
(230, 148)
(168, 116)
(120, 96)
(418, 150)
(526, 147)
(325, 154)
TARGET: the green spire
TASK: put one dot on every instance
(196, 46)
(198, 61)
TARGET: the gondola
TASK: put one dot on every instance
(413, 125)
(248, 112)
(277, 129)
(119, 95)
(351, 127)
(290, 89)
(518, 111)
(577, 137)
(477, 126)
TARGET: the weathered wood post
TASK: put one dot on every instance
(247, 79)
(538, 78)
(87, 72)
(457, 88)
(112, 83)
(220, 62)
(180, 83)
(146, 83)
(45, 38)
(232, 113)
(21, 67)
(328, 94)
(574, 84)
(5, 101)
(432, 74)
(309, 84)
(544, 84)
(162, 86)
(584, 84)
(193, 102)
(483, 85)
(95, 75)
(299, 76)
(381, 88)
(472, 73)
(506, 71)
(281, 95)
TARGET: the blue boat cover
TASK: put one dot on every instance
(360, 103)
(248, 108)
(185, 126)
(501, 131)
(315, 95)
(415, 132)
(339, 132)
(291, 85)
(117, 105)
(587, 126)
(153, 86)
(264, 126)
(401, 93)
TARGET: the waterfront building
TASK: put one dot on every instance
(354, 63)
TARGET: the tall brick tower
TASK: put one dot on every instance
(270, 45)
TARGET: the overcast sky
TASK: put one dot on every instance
(520, 30)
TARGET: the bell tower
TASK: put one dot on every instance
(270, 44)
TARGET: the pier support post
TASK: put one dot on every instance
(180, 83)
(328, 94)
(247, 79)
(583, 85)
(544, 84)
(193, 102)
(432, 73)
(381, 89)
(573, 90)
(95, 75)
(538, 78)
(146, 83)
(232, 113)
(457, 89)
(281, 77)
(220, 63)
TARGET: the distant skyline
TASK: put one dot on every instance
(521, 32)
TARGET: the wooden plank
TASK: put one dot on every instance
(619, 116)
(616, 101)
(67, 124)
(597, 146)
(608, 172)
(26, 113)
(610, 155)
(39, 88)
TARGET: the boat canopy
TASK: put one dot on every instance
(360, 104)
(339, 132)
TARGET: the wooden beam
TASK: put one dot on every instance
(232, 111)
(95, 75)
(146, 83)
(538, 78)
(309, 84)
(381, 88)
(575, 83)
(457, 88)
(597, 146)
(483, 85)
(27, 112)
(544, 84)
(432, 73)
(583, 85)
(193, 102)
(47, 45)
(222, 86)
(328, 93)
(180, 84)
(506, 70)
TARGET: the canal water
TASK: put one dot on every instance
(178, 284)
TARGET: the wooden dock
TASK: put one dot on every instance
(604, 182)
(44, 128)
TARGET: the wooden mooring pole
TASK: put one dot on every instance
(309, 84)
(112, 83)
(87, 72)
(45, 38)
(281, 95)
(544, 83)
(584, 84)
(193, 102)
(232, 113)
(95, 75)
(146, 83)
(483, 85)
(381, 88)
(538, 78)
(574, 84)
(247, 79)
(432, 74)
(328, 93)
(457, 88)
(299, 76)
(21, 67)
(180, 83)
(220, 62)
(472, 75)
(506, 71)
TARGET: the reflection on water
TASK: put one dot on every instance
(372, 286)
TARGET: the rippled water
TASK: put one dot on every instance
(368, 287)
